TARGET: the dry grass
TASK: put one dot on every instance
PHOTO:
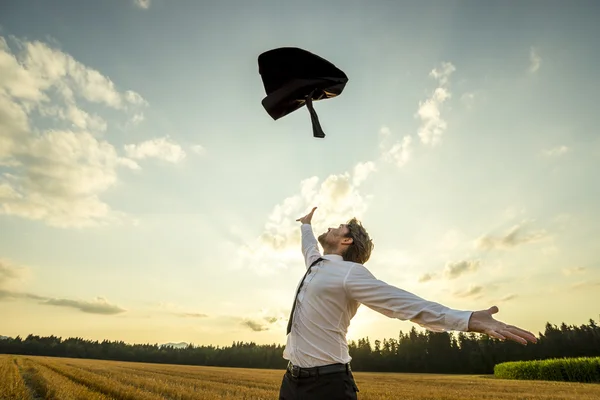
(64, 378)
(47, 384)
(12, 386)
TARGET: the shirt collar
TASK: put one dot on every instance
(333, 257)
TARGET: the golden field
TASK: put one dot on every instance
(32, 378)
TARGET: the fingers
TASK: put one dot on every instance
(496, 335)
(522, 333)
(511, 333)
(308, 217)
(512, 336)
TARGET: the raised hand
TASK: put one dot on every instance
(483, 322)
(308, 217)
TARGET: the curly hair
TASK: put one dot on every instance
(362, 245)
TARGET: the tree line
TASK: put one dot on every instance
(414, 351)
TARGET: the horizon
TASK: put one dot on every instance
(147, 196)
(355, 341)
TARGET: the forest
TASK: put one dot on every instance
(413, 351)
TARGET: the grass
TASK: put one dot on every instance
(32, 377)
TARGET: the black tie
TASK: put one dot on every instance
(289, 327)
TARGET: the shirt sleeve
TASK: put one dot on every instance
(362, 286)
(310, 248)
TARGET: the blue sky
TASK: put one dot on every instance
(146, 196)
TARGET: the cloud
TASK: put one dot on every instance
(161, 148)
(178, 311)
(57, 174)
(6, 294)
(362, 171)
(255, 326)
(99, 306)
(137, 118)
(7, 272)
(432, 125)
(508, 297)
(192, 315)
(198, 149)
(586, 285)
(556, 151)
(143, 4)
(261, 325)
(40, 68)
(426, 277)
(456, 269)
(399, 152)
(58, 178)
(535, 61)
(472, 291)
(10, 273)
(515, 237)
(338, 199)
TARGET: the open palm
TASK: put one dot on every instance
(308, 217)
(483, 322)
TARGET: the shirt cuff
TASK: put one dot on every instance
(458, 320)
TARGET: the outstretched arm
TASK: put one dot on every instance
(393, 302)
(310, 248)
(362, 286)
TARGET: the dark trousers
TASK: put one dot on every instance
(336, 386)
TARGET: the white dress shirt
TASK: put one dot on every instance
(330, 297)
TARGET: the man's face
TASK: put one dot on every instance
(334, 236)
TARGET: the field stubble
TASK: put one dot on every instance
(33, 377)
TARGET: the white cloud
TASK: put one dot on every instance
(432, 125)
(398, 152)
(472, 291)
(198, 149)
(50, 67)
(56, 175)
(137, 118)
(161, 148)
(338, 199)
(135, 98)
(455, 269)
(76, 116)
(60, 177)
(513, 238)
(556, 151)
(535, 61)
(99, 306)
(144, 4)
(362, 171)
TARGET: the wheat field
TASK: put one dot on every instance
(33, 378)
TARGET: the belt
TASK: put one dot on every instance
(298, 372)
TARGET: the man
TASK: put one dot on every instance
(335, 285)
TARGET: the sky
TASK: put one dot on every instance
(147, 196)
